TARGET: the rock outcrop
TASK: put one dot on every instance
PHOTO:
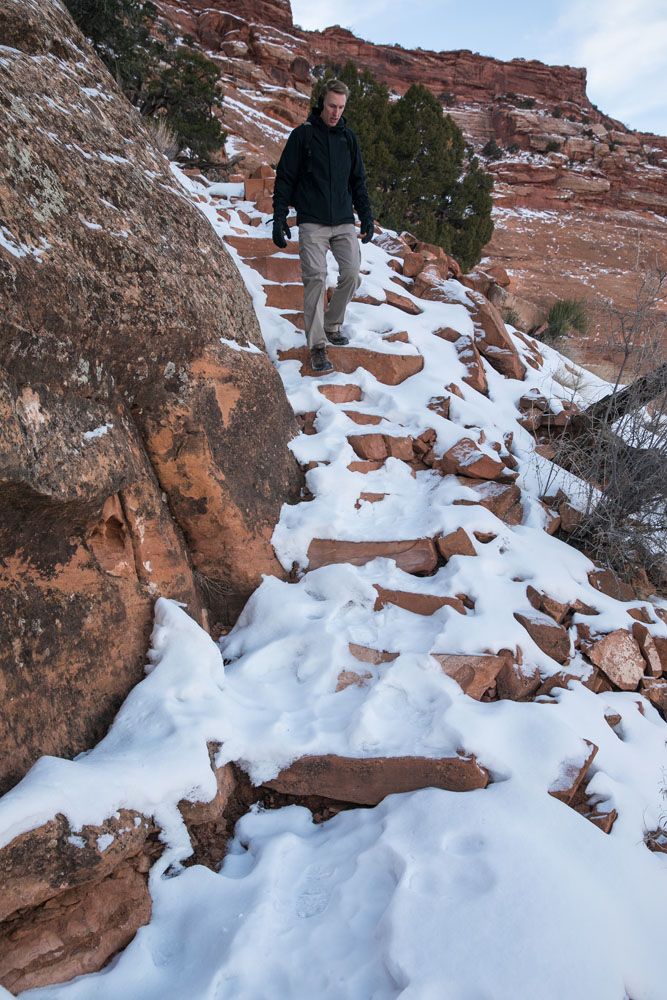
(144, 432)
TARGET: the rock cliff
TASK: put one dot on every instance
(144, 432)
(571, 183)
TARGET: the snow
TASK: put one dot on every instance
(18, 249)
(429, 895)
(499, 893)
(97, 432)
(235, 346)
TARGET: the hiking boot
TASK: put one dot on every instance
(319, 361)
(336, 338)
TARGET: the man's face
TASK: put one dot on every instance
(334, 105)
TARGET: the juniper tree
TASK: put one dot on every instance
(157, 72)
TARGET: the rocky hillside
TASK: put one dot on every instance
(361, 592)
(439, 656)
(581, 200)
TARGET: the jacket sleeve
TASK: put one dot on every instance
(360, 199)
(287, 173)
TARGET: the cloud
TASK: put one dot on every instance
(623, 45)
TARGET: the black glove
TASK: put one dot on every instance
(367, 230)
(280, 231)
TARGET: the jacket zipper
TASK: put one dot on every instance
(330, 180)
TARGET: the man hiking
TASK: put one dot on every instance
(321, 173)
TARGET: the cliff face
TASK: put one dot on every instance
(143, 432)
(572, 185)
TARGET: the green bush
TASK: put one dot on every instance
(553, 146)
(155, 73)
(492, 151)
(566, 315)
(420, 175)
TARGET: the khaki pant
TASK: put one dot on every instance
(314, 241)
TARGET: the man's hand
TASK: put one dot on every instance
(280, 231)
(367, 230)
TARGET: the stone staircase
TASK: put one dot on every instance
(485, 473)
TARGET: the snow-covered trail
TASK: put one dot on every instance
(501, 892)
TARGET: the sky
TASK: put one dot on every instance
(622, 43)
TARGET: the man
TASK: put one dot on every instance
(321, 173)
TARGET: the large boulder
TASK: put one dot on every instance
(144, 433)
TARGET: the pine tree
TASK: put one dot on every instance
(120, 31)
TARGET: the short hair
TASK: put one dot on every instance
(336, 87)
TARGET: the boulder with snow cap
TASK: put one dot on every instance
(619, 657)
(551, 638)
(368, 780)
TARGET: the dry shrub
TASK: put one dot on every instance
(164, 138)
(619, 448)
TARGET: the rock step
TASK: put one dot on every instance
(412, 556)
(258, 246)
(502, 499)
(367, 780)
(285, 269)
(364, 419)
(296, 318)
(378, 447)
(350, 393)
(391, 298)
(418, 604)
(390, 369)
(289, 297)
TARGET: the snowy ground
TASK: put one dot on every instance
(503, 892)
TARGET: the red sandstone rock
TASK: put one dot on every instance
(341, 393)
(653, 649)
(515, 683)
(365, 466)
(572, 774)
(399, 447)
(78, 935)
(474, 674)
(369, 498)
(655, 689)
(552, 639)
(468, 354)
(419, 604)
(347, 678)
(390, 369)
(415, 556)
(619, 657)
(364, 419)
(456, 543)
(367, 780)
(369, 655)
(117, 344)
(371, 447)
(440, 405)
(502, 499)
(282, 269)
(465, 458)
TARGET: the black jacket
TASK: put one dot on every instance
(326, 184)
